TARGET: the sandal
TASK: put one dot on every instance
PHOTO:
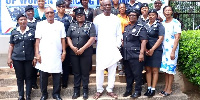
(97, 95)
(113, 95)
(166, 94)
(162, 92)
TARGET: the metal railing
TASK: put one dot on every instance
(187, 12)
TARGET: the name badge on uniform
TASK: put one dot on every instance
(137, 7)
(133, 30)
(29, 34)
(66, 18)
(86, 26)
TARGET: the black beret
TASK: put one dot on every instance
(79, 10)
(60, 2)
(144, 5)
(29, 7)
(153, 11)
(20, 15)
(133, 11)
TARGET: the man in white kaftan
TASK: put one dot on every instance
(50, 52)
(109, 37)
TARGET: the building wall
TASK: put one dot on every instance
(4, 44)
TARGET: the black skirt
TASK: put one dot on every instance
(155, 59)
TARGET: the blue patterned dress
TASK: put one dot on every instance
(171, 28)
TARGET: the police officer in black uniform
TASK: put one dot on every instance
(144, 19)
(21, 55)
(115, 7)
(80, 37)
(32, 22)
(156, 32)
(88, 11)
(134, 44)
(66, 19)
(134, 5)
(99, 9)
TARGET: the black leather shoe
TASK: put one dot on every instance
(44, 97)
(35, 86)
(28, 97)
(136, 95)
(64, 86)
(75, 95)
(21, 98)
(127, 93)
(85, 96)
(57, 97)
(152, 93)
(147, 93)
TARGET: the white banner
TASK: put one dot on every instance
(10, 8)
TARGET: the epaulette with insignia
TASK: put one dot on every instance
(139, 24)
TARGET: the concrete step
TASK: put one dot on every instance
(7, 71)
(177, 96)
(4, 58)
(10, 79)
(11, 91)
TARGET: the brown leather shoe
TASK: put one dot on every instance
(97, 95)
(113, 95)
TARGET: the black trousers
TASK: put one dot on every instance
(23, 70)
(44, 83)
(81, 69)
(34, 76)
(133, 71)
(66, 66)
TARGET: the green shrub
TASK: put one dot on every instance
(189, 55)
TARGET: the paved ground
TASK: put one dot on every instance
(193, 95)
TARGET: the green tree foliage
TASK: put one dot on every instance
(189, 55)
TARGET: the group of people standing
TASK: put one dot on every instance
(129, 33)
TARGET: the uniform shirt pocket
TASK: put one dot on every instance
(134, 52)
(16, 39)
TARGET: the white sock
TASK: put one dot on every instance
(153, 88)
(149, 87)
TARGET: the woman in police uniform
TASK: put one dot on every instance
(80, 37)
(66, 20)
(134, 45)
(21, 55)
(88, 11)
(31, 23)
(144, 19)
(154, 51)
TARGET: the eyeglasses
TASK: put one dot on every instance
(61, 6)
(50, 12)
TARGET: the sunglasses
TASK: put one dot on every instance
(61, 6)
